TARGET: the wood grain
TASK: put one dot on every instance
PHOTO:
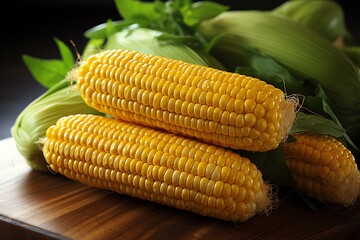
(35, 205)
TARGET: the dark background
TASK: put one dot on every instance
(30, 27)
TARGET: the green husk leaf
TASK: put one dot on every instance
(187, 40)
(212, 42)
(149, 41)
(317, 124)
(60, 100)
(353, 52)
(327, 106)
(267, 69)
(314, 104)
(324, 17)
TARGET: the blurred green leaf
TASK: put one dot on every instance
(46, 72)
(202, 10)
(65, 53)
(102, 31)
(138, 11)
(316, 124)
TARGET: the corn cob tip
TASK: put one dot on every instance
(347, 194)
(73, 74)
(288, 111)
(266, 201)
(271, 202)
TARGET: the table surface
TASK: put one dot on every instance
(36, 205)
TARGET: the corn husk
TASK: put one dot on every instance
(353, 52)
(324, 17)
(147, 41)
(304, 53)
(30, 126)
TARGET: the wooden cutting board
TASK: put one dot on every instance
(35, 205)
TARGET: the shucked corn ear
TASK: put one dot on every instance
(323, 168)
(228, 109)
(157, 166)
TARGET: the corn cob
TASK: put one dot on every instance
(323, 168)
(227, 109)
(142, 162)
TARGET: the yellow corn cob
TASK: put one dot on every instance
(323, 168)
(157, 166)
(227, 109)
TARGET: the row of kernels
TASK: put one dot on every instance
(218, 102)
(205, 186)
(249, 119)
(177, 149)
(137, 185)
(207, 73)
(171, 176)
(197, 168)
(261, 143)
